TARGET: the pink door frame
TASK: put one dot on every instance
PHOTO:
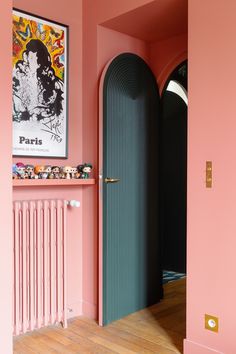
(100, 198)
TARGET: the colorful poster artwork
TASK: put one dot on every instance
(39, 86)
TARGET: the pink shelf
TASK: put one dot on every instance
(52, 182)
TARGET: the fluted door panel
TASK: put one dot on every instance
(131, 264)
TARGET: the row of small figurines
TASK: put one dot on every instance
(22, 171)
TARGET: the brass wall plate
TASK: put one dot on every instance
(212, 323)
(208, 174)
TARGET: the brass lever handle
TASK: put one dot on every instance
(111, 180)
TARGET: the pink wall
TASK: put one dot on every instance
(166, 55)
(72, 16)
(111, 43)
(103, 10)
(211, 212)
(5, 181)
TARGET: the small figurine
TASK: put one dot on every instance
(67, 171)
(48, 169)
(77, 173)
(29, 169)
(85, 170)
(47, 173)
(20, 170)
(14, 172)
(26, 176)
(62, 174)
(56, 172)
(39, 170)
(73, 172)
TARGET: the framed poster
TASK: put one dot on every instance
(40, 92)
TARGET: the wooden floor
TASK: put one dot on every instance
(158, 329)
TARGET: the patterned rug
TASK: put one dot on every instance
(169, 276)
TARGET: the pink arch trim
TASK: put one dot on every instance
(167, 70)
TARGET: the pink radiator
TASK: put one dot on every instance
(39, 291)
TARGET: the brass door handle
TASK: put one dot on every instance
(111, 180)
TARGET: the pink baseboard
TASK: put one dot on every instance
(75, 309)
(90, 310)
(195, 348)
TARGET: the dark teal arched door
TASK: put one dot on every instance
(131, 253)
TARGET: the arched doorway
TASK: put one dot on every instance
(173, 170)
(130, 262)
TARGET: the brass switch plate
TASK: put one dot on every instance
(212, 323)
(208, 174)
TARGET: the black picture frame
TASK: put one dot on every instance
(40, 86)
